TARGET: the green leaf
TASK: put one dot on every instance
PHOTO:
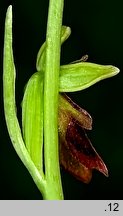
(32, 119)
(79, 76)
(10, 105)
(41, 57)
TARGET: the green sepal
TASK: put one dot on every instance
(32, 119)
(40, 62)
(79, 76)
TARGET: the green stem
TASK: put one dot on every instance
(51, 89)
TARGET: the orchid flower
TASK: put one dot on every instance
(77, 155)
(36, 141)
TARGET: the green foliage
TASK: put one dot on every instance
(32, 119)
(40, 102)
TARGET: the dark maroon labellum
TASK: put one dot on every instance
(82, 149)
(77, 155)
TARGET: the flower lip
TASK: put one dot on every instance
(77, 155)
(83, 117)
(82, 149)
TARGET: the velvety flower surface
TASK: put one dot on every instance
(77, 155)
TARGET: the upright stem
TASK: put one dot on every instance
(51, 89)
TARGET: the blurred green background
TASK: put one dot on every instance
(97, 30)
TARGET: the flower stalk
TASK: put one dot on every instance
(51, 90)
